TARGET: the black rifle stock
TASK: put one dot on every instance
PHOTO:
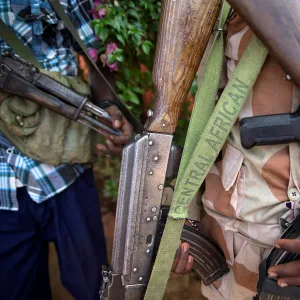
(270, 130)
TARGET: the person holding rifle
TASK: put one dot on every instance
(52, 199)
(251, 196)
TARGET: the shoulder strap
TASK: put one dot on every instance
(19, 48)
(204, 142)
(63, 16)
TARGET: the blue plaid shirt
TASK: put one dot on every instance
(37, 26)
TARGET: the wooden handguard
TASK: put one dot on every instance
(277, 24)
(185, 28)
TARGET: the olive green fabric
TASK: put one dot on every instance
(42, 134)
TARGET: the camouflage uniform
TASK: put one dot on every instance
(250, 194)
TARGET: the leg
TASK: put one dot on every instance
(77, 231)
(243, 256)
(23, 256)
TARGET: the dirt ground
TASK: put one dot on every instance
(179, 287)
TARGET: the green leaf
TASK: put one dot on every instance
(146, 48)
(111, 58)
(149, 43)
(131, 4)
(103, 34)
(126, 74)
(133, 13)
(98, 29)
(118, 51)
(133, 97)
(138, 90)
(120, 38)
(119, 58)
(115, 24)
(121, 86)
(137, 39)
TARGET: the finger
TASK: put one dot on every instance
(117, 118)
(102, 149)
(183, 260)
(177, 256)
(289, 269)
(113, 148)
(127, 134)
(189, 265)
(289, 281)
(288, 245)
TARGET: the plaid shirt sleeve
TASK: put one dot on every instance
(80, 17)
(54, 48)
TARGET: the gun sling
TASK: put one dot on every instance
(201, 152)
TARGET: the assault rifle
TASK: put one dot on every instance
(19, 77)
(185, 28)
(276, 23)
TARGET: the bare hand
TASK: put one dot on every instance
(114, 144)
(288, 274)
(183, 262)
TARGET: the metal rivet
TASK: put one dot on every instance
(148, 251)
(21, 124)
(154, 209)
(156, 158)
(148, 219)
(288, 77)
(18, 118)
(150, 143)
(155, 218)
(160, 187)
(149, 113)
(150, 173)
(141, 278)
(135, 270)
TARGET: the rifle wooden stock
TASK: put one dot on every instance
(277, 24)
(185, 28)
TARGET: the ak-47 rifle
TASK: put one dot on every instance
(185, 28)
(21, 78)
(277, 24)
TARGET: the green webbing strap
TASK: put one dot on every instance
(63, 16)
(19, 48)
(199, 157)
